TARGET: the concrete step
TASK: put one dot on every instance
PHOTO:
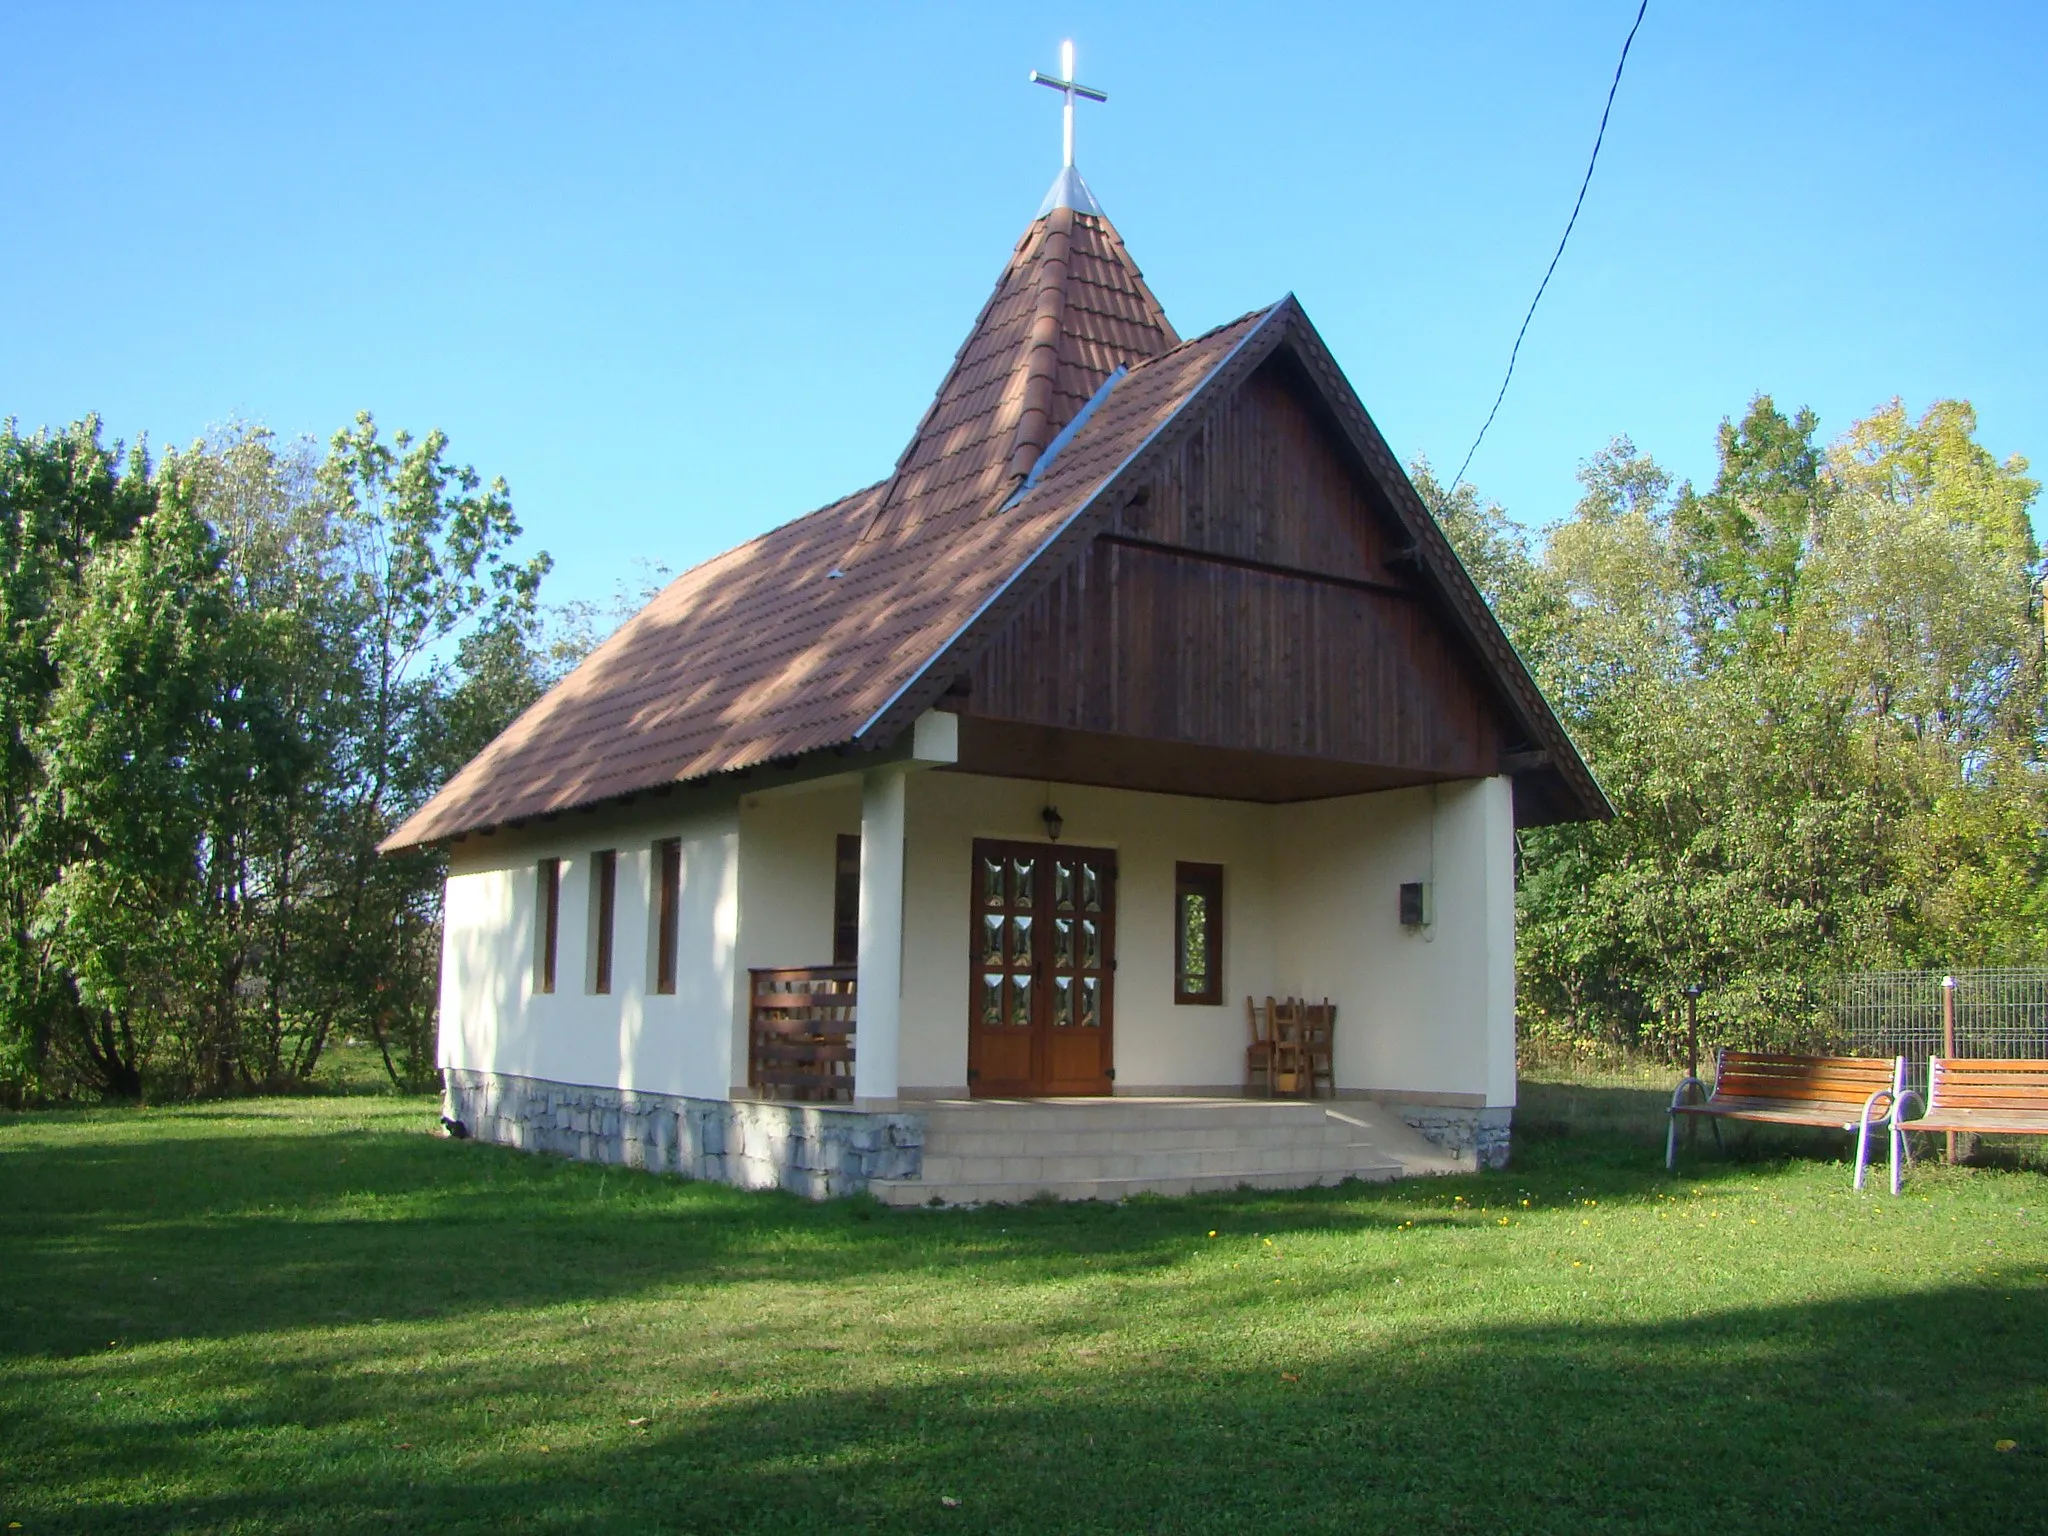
(996, 1117)
(1098, 1143)
(1246, 1155)
(1367, 1122)
(917, 1192)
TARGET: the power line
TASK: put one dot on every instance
(1598, 138)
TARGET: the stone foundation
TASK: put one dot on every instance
(1481, 1133)
(815, 1150)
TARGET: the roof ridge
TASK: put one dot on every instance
(836, 504)
(1250, 314)
(1017, 256)
(1042, 346)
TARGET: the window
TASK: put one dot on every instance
(1198, 933)
(668, 873)
(846, 901)
(547, 913)
(604, 885)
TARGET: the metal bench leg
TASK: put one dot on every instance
(1902, 1144)
(1671, 1119)
(1891, 1097)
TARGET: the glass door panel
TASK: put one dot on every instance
(1002, 1021)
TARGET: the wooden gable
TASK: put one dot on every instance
(1248, 623)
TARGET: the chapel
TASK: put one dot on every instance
(969, 838)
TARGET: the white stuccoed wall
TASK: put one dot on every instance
(1428, 1012)
(492, 1019)
(1311, 908)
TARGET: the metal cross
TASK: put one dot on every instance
(1065, 84)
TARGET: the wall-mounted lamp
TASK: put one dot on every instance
(1053, 824)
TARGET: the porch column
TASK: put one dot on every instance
(878, 1008)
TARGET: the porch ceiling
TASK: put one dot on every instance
(1014, 750)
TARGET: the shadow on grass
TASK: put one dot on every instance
(1550, 1111)
(208, 1235)
(1561, 1111)
(230, 1267)
(1873, 1415)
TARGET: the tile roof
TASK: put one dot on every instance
(796, 640)
(1070, 306)
(836, 629)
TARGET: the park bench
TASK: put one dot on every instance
(1850, 1093)
(1994, 1097)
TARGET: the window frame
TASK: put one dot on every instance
(547, 924)
(604, 910)
(667, 904)
(846, 900)
(1206, 881)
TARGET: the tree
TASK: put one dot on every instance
(1813, 692)
(159, 741)
(223, 682)
(63, 496)
(1744, 543)
(425, 567)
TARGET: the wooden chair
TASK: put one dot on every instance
(1258, 1055)
(1319, 1038)
(1290, 1046)
(1850, 1093)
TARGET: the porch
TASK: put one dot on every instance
(979, 946)
(802, 1047)
(987, 978)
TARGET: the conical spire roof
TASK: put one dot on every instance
(1069, 309)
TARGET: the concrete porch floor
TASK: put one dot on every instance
(995, 1151)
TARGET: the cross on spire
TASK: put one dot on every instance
(1065, 83)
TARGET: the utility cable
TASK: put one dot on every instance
(1516, 351)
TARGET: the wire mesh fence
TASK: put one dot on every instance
(1997, 1013)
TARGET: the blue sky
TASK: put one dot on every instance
(681, 272)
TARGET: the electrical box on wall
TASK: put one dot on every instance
(1415, 904)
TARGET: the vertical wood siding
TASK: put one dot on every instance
(1260, 480)
(1189, 644)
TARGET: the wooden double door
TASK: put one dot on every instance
(1042, 978)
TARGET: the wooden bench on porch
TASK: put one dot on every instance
(1849, 1093)
(1987, 1097)
(800, 1032)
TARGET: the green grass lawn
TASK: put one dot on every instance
(313, 1315)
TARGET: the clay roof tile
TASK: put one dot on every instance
(763, 652)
